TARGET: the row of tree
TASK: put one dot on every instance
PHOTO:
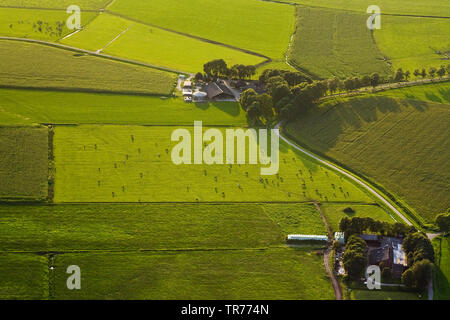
(219, 69)
(355, 257)
(443, 222)
(420, 255)
(358, 225)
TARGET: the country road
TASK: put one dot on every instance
(352, 177)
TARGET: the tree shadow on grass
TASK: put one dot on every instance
(231, 108)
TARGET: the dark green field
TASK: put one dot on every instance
(399, 142)
(23, 163)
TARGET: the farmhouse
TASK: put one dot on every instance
(220, 90)
(388, 252)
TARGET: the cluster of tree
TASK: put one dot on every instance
(358, 225)
(443, 222)
(420, 255)
(257, 106)
(219, 68)
(355, 257)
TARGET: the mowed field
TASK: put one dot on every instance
(60, 4)
(259, 26)
(227, 250)
(399, 143)
(414, 43)
(32, 65)
(31, 106)
(330, 43)
(133, 164)
(282, 273)
(132, 40)
(23, 163)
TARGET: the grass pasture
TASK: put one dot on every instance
(335, 212)
(442, 271)
(122, 164)
(23, 276)
(60, 4)
(325, 42)
(37, 66)
(412, 43)
(25, 23)
(263, 27)
(23, 163)
(282, 273)
(364, 294)
(36, 106)
(416, 7)
(80, 227)
(153, 45)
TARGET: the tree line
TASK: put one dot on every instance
(219, 69)
(290, 94)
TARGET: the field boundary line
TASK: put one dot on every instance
(93, 53)
(117, 37)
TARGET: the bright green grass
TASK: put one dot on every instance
(37, 66)
(383, 295)
(417, 7)
(28, 106)
(335, 212)
(60, 4)
(334, 43)
(438, 92)
(153, 45)
(442, 271)
(282, 273)
(144, 226)
(400, 144)
(255, 25)
(23, 163)
(296, 218)
(105, 164)
(23, 23)
(412, 43)
(23, 276)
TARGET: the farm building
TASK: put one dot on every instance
(339, 237)
(306, 237)
(390, 253)
(187, 85)
(220, 90)
(200, 96)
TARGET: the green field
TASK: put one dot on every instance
(36, 24)
(37, 66)
(144, 226)
(416, 7)
(296, 218)
(335, 212)
(399, 144)
(133, 164)
(413, 43)
(383, 295)
(30, 106)
(442, 271)
(23, 163)
(154, 45)
(326, 41)
(23, 276)
(243, 274)
(255, 25)
(60, 4)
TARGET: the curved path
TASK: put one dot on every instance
(345, 173)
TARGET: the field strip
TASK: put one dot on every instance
(117, 37)
(268, 59)
(348, 175)
(71, 34)
(93, 53)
